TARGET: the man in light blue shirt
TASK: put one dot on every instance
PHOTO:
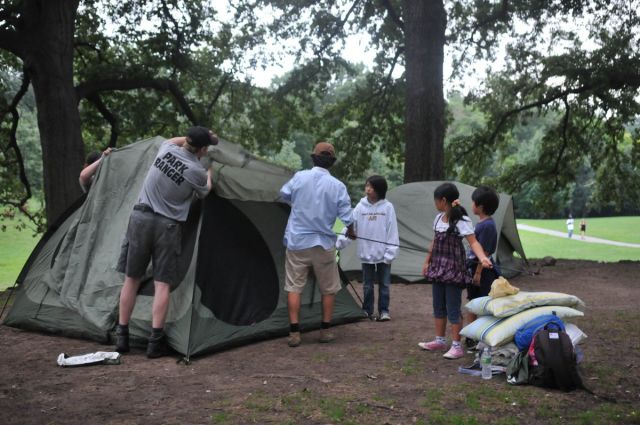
(317, 199)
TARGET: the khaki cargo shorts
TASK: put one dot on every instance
(325, 267)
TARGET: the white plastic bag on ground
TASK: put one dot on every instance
(575, 333)
(99, 357)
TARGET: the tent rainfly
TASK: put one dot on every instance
(415, 211)
(231, 260)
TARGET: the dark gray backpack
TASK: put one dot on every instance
(553, 360)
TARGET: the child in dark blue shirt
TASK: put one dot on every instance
(484, 204)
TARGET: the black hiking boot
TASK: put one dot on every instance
(158, 346)
(122, 339)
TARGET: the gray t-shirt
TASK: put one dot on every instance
(171, 181)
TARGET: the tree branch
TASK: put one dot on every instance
(612, 81)
(9, 14)
(13, 143)
(168, 14)
(221, 87)
(179, 38)
(11, 41)
(90, 46)
(377, 108)
(232, 97)
(319, 62)
(393, 14)
(381, 91)
(87, 89)
(399, 51)
(329, 40)
(565, 142)
(499, 14)
(297, 81)
(108, 116)
(539, 103)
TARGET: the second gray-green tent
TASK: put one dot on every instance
(415, 210)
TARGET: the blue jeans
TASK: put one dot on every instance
(381, 273)
(447, 299)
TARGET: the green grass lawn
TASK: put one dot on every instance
(621, 229)
(15, 247)
(537, 245)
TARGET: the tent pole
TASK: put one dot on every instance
(41, 301)
(346, 281)
(187, 358)
(6, 302)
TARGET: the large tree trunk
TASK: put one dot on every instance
(48, 57)
(425, 24)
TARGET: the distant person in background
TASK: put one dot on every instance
(583, 228)
(90, 167)
(570, 226)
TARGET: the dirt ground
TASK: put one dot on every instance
(373, 374)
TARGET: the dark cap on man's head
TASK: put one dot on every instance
(200, 137)
(324, 148)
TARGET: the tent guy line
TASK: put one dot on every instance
(387, 243)
(425, 251)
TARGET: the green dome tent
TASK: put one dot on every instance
(231, 260)
(415, 210)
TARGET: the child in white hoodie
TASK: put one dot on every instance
(377, 230)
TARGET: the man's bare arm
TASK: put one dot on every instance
(179, 141)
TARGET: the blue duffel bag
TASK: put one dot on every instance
(524, 335)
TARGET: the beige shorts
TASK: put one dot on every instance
(325, 267)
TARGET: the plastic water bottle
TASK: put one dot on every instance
(485, 362)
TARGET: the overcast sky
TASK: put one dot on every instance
(356, 51)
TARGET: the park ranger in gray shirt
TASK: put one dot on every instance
(154, 231)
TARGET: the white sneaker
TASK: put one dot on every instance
(384, 317)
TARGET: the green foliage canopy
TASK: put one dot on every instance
(571, 67)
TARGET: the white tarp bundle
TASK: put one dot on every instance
(99, 357)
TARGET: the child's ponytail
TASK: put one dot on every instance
(456, 214)
(450, 193)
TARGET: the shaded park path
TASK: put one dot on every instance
(589, 239)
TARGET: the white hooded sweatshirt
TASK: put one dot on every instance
(376, 222)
